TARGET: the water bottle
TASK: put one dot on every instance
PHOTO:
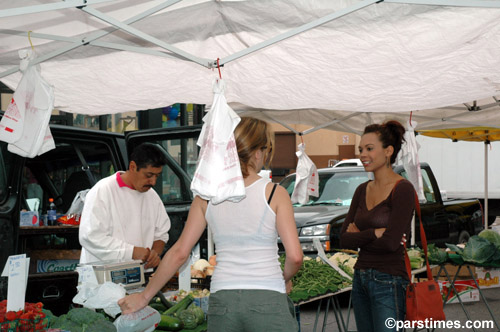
(51, 213)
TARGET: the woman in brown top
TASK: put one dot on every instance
(379, 217)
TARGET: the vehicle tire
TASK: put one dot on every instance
(463, 237)
(491, 220)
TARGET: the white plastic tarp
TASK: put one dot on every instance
(367, 57)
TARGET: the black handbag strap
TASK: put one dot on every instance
(272, 193)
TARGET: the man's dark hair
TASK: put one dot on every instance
(149, 154)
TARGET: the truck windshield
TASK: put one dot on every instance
(334, 188)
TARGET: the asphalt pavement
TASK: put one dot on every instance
(477, 311)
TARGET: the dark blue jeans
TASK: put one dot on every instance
(377, 297)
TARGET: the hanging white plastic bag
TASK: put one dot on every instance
(218, 174)
(25, 123)
(78, 202)
(409, 157)
(306, 178)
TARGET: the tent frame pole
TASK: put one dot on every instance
(48, 7)
(450, 3)
(116, 46)
(295, 31)
(133, 31)
(486, 145)
(94, 36)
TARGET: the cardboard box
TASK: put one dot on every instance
(464, 273)
(29, 218)
(466, 289)
(488, 277)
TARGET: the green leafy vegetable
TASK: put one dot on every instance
(491, 236)
(436, 255)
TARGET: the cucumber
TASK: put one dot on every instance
(158, 307)
(181, 305)
(170, 323)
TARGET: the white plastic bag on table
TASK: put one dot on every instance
(104, 296)
(144, 320)
(306, 178)
(218, 174)
(25, 123)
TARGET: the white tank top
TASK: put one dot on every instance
(246, 243)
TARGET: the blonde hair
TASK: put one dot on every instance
(251, 135)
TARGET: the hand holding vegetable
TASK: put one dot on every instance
(132, 303)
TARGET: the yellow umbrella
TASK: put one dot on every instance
(473, 134)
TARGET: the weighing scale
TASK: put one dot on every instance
(128, 273)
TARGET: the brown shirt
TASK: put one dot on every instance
(384, 254)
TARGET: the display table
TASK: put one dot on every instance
(472, 277)
(332, 299)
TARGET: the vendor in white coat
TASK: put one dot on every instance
(123, 218)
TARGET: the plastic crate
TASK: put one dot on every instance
(25, 325)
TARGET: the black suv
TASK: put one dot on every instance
(80, 158)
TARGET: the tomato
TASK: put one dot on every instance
(11, 315)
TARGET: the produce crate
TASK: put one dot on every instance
(25, 325)
(196, 283)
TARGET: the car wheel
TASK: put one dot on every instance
(463, 237)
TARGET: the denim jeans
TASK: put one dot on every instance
(377, 297)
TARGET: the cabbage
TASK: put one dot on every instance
(478, 250)
(491, 236)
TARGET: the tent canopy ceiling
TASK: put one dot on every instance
(342, 63)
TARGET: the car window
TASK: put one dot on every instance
(346, 164)
(5, 169)
(334, 188)
(182, 152)
(60, 173)
(430, 197)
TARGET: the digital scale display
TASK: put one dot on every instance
(128, 273)
(128, 276)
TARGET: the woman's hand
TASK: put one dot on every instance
(289, 287)
(379, 232)
(352, 228)
(132, 303)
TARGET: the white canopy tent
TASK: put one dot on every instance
(316, 62)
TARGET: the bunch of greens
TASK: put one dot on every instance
(436, 255)
(315, 278)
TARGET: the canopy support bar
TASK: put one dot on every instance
(308, 131)
(48, 7)
(451, 3)
(145, 36)
(115, 46)
(293, 32)
(93, 36)
(282, 123)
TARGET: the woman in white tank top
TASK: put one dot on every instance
(249, 289)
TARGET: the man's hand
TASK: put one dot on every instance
(352, 228)
(153, 260)
(140, 253)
